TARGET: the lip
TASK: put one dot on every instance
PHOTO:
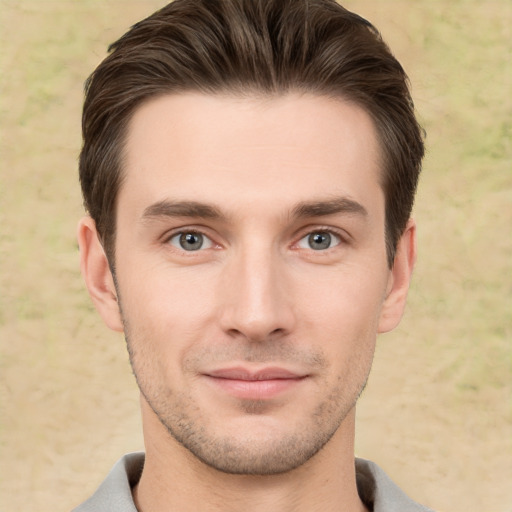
(240, 373)
(261, 384)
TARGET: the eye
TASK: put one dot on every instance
(319, 241)
(190, 241)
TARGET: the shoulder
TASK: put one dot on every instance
(380, 493)
(114, 494)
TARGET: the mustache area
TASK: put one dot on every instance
(255, 353)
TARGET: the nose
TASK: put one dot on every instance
(256, 297)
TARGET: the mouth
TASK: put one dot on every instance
(262, 384)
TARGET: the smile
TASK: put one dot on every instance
(263, 384)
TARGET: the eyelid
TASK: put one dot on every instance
(169, 235)
(206, 242)
(343, 235)
(308, 230)
(334, 240)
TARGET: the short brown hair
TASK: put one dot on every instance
(244, 46)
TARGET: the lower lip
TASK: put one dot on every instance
(255, 389)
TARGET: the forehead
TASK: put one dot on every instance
(237, 151)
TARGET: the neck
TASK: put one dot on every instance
(174, 479)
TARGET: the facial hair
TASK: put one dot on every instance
(247, 454)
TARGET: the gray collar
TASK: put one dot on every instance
(375, 488)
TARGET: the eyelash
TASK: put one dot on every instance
(191, 231)
(341, 235)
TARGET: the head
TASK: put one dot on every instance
(249, 167)
(249, 47)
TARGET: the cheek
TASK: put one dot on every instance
(164, 292)
(166, 310)
(345, 300)
(342, 317)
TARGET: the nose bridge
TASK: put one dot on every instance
(257, 304)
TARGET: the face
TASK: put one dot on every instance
(251, 272)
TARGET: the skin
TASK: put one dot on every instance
(291, 278)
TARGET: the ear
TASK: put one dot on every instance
(399, 280)
(97, 275)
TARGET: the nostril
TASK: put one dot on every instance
(235, 333)
(257, 337)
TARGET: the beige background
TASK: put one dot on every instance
(437, 414)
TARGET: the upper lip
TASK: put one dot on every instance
(269, 373)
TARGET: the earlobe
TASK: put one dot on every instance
(97, 275)
(399, 280)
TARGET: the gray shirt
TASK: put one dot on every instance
(376, 490)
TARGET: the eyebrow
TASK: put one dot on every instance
(330, 207)
(195, 209)
(168, 208)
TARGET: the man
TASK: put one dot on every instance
(249, 169)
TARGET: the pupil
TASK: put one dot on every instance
(191, 241)
(319, 241)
